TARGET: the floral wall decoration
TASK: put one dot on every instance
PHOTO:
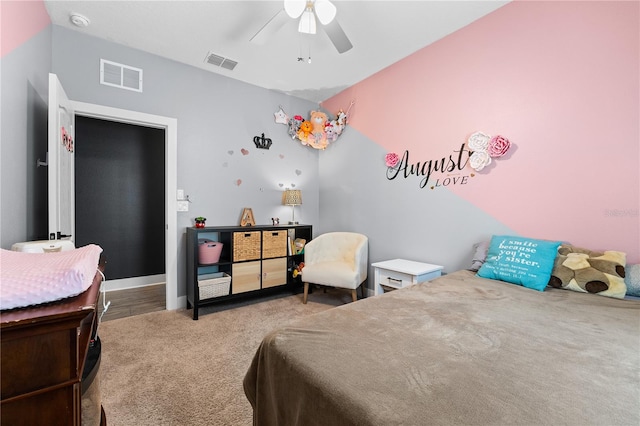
(484, 148)
(477, 153)
(318, 131)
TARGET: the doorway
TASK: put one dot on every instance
(170, 127)
(119, 195)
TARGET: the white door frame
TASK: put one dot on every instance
(170, 125)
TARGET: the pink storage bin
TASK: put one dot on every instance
(209, 251)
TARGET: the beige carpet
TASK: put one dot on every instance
(163, 368)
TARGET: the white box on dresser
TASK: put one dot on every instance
(399, 273)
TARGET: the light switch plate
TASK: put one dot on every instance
(180, 194)
(183, 206)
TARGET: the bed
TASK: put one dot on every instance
(458, 350)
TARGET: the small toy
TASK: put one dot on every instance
(341, 121)
(294, 125)
(305, 129)
(281, 117)
(330, 131)
(318, 120)
(298, 269)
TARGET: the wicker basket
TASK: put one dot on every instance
(214, 285)
(246, 245)
(274, 244)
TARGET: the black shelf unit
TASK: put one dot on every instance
(226, 264)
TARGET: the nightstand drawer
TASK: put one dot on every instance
(393, 279)
(399, 273)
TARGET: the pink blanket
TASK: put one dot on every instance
(33, 278)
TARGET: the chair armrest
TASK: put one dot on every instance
(362, 258)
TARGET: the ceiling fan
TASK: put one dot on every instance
(308, 11)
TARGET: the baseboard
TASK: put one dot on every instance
(135, 282)
(182, 302)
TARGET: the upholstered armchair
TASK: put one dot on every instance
(336, 259)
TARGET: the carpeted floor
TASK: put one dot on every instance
(163, 368)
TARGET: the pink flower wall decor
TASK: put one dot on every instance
(498, 146)
(484, 148)
(391, 159)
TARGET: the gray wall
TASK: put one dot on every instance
(23, 139)
(401, 221)
(217, 119)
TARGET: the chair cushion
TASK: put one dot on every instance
(334, 274)
(333, 246)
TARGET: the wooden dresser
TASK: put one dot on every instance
(43, 352)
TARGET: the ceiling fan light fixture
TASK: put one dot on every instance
(294, 8)
(325, 11)
(307, 22)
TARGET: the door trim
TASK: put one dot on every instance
(170, 125)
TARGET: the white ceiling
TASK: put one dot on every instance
(382, 32)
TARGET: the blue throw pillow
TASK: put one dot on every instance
(518, 260)
(632, 279)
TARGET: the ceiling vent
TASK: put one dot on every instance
(119, 75)
(220, 61)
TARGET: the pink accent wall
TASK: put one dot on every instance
(21, 20)
(561, 80)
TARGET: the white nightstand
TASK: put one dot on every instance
(398, 273)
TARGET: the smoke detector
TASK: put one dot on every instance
(79, 20)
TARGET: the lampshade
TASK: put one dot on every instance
(307, 22)
(292, 197)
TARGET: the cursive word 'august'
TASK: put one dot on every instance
(426, 168)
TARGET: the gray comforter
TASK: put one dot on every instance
(457, 350)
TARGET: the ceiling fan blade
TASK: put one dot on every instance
(337, 36)
(294, 8)
(270, 28)
(325, 11)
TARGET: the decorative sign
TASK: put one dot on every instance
(478, 152)
(318, 131)
(262, 142)
(66, 139)
(247, 217)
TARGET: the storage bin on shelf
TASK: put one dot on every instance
(209, 251)
(274, 243)
(246, 245)
(214, 285)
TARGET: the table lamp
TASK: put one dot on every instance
(293, 198)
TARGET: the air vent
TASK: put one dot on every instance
(119, 75)
(220, 61)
